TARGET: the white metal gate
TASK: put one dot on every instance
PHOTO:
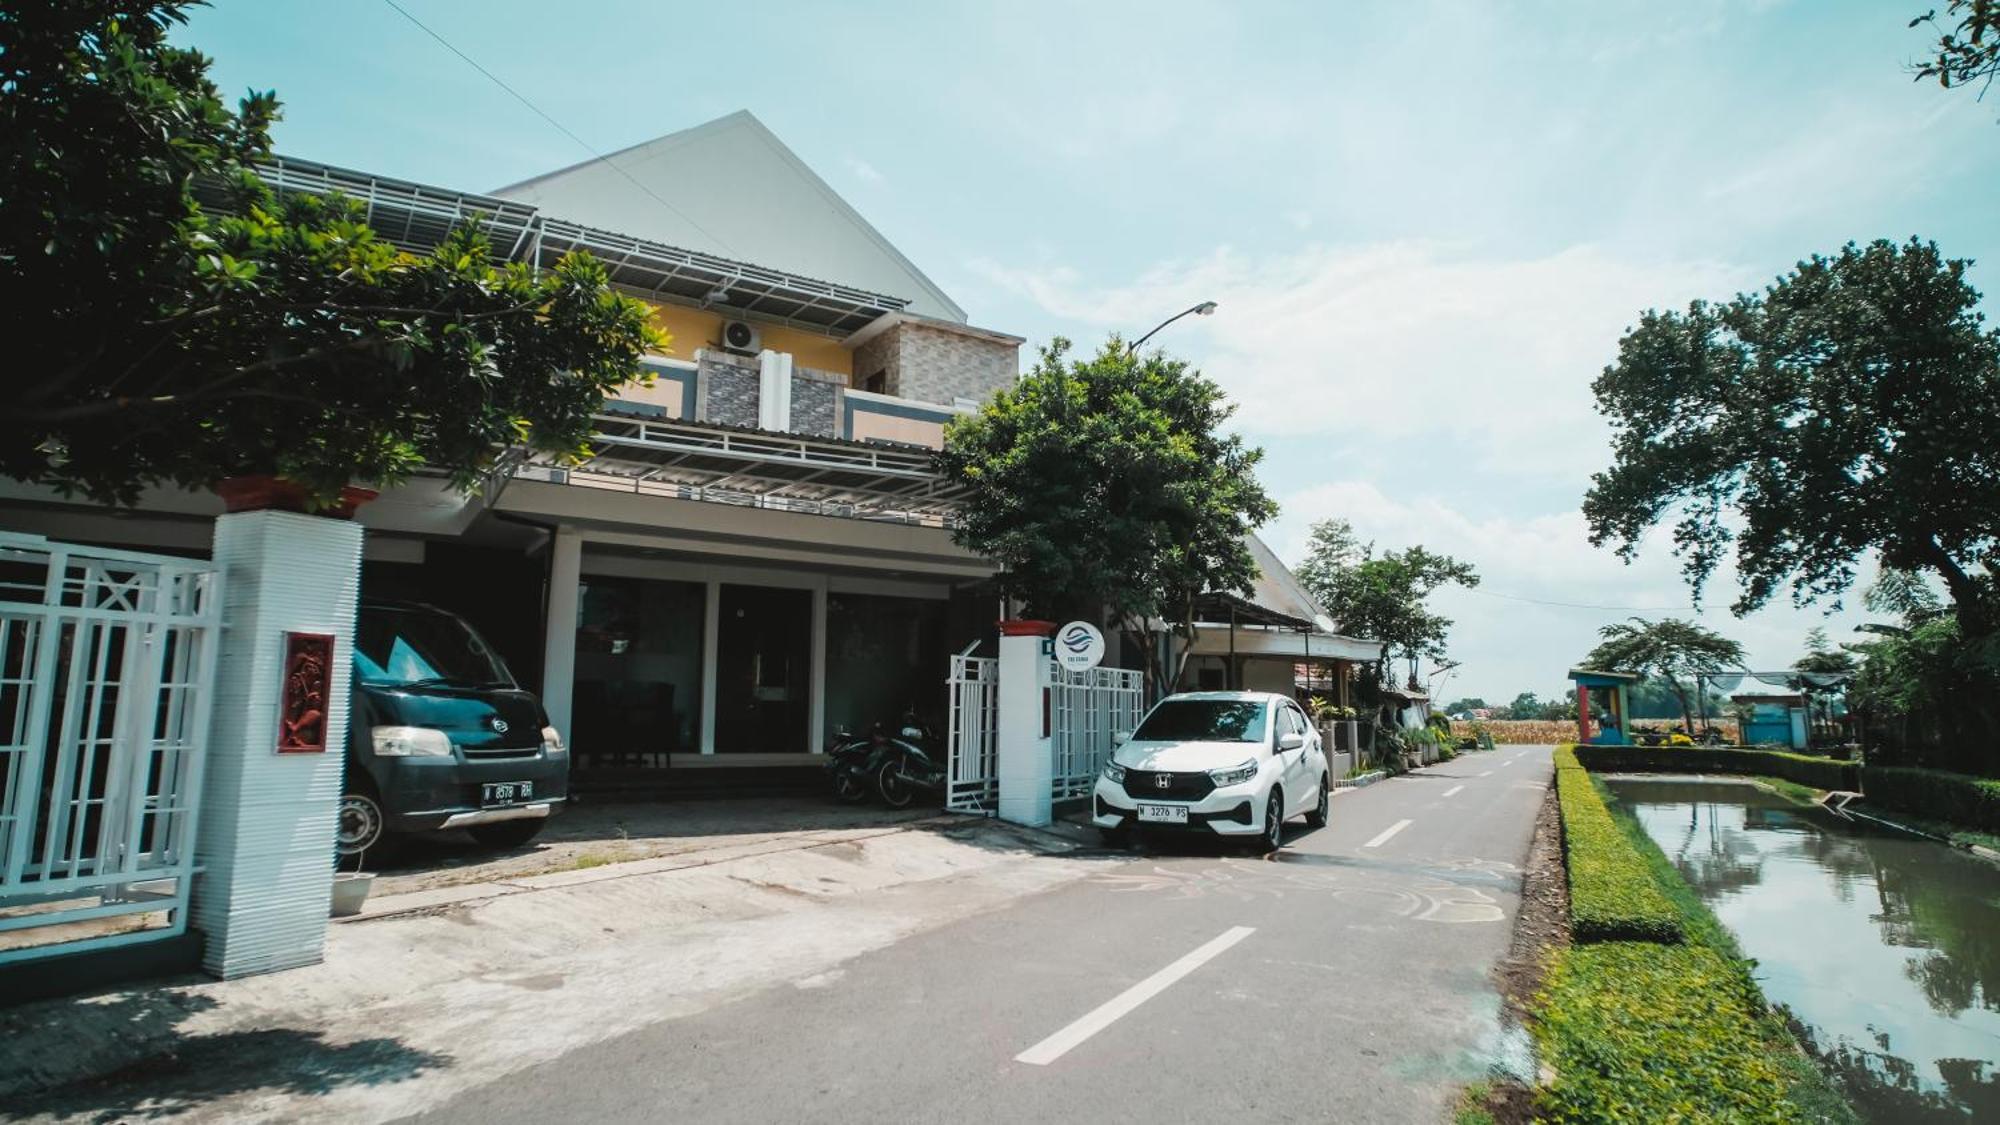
(107, 661)
(1086, 709)
(972, 739)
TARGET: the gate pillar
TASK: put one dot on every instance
(1026, 764)
(272, 789)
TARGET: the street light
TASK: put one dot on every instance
(1203, 309)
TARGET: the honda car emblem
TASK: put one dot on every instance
(499, 725)
(1163, 781)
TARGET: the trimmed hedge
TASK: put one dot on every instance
(1642, 1032)
(1820, 773)
(1971, 802)
(1612, 894)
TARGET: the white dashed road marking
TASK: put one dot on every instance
(1386, 833)
(1453, 789)
(1059, 1044)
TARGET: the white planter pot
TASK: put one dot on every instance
(350, 890)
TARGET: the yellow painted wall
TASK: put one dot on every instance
(694, 329)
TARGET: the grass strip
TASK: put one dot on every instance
(1612, 894)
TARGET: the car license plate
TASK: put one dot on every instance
(505, 792)
(1163, 814)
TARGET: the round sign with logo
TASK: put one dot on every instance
(1079, 646)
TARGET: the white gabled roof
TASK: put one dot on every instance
(731, 188)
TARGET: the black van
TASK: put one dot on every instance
(440, 736)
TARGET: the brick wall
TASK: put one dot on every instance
(932, 364)
(938, 365)
(729, 391)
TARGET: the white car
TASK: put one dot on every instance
(1232, 763)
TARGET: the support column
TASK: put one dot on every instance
(711, 627)
(1026, 755)
(266, 836)
(559, 631)
(816, 707)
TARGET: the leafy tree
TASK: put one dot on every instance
(1526, 706)
(184, 345)
(1109, 482)
(1469, 703)
(1968, 50)
(1822, 656)
(1381, 597)
(1845, 411)
(1671, 649)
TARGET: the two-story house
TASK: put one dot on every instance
(681, 598)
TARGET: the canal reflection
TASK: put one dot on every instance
(1884, 946)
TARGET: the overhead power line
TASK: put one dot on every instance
(596, 156)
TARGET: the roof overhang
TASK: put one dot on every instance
(1291, 644)
(761, 469)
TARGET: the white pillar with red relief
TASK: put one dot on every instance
(278, 739)
(1026, 755)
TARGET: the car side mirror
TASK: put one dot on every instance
(1291, 740)
(1120, 737)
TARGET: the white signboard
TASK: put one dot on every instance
(1079, 646)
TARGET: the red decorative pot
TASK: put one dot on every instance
(260, 494)
(263, 493)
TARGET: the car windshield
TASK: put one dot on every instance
(1203, 720)
(419, 647)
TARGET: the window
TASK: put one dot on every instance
(877, 383)
(1203, 720)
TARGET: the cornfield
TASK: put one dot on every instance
(1544, 732)
(1518, 731)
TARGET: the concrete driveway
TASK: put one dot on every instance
(588, 834)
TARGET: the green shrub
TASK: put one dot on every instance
(1566, 757)
(1612, 893)
(1643, 1032)
(1962, 799)
(1820, 773)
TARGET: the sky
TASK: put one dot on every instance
(1425, 224)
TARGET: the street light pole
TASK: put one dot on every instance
(1203, 309)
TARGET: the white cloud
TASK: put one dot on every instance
(1544, 591)
(862, 170)
(1395, 340)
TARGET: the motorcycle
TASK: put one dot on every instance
(849, 765)
(907, 764)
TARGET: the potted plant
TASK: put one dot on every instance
(350, 890)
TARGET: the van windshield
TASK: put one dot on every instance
(398, 647)
(1203, 720)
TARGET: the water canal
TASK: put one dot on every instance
(1884, 945)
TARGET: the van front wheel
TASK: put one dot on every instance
(362, 830)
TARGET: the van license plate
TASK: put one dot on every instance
(1163, 814)
(505, 792)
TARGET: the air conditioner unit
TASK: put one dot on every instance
(741, 336)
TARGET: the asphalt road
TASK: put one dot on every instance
(1348, 979)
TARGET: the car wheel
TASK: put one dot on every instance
(361, 829)
(508, 833)
(1317, 817)
(1274, 823)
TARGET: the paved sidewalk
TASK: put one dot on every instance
(436, 994)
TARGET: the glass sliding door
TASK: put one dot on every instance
(763, 664)
(638, 671)
(884, 655)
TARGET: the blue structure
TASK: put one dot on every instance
(1601, 710)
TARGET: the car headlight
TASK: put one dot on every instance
(552, 742)
(410, 742)
(1236, 774)
(1114, 773)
